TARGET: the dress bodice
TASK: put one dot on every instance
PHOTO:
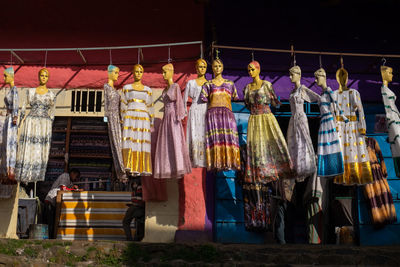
(327, 104)
(219, 95)
(193, 91)
(258, 100)
(11, 101)
(112, 98)
(297, 98)
(40, 104)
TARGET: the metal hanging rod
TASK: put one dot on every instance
(101, 48)
(303, 51)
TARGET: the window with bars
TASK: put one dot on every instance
(86, 100)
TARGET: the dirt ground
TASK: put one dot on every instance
(85, 253)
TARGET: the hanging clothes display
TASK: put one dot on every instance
(267, 153)
(9, 133)
(222, 140)
(172, 156)
(137, 113)
(378, 193)
(357, 169)
(196, 124)
(35, 139)
(393, 125)
(330, 157)
(298, 135)
(112, 99)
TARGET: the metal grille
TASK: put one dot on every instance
(86, 100)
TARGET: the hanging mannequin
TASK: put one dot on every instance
(222, 142)
(137, 114)
(268, 156)
(195, 132)
(172, 156)
(112, 99)
(32, 156)
(392, 116)
(10, 128)
(357, 169)
(329, 150)
(298, 136)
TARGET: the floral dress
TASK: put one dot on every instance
(267, 157)
(35, 139)
(196, 125)
(10, 133)
(298, 136)
(112, 112)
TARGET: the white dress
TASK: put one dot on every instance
(196, 127)
(393, 125)
(137, 114)
(35, 139)
(299, 142)
(357, 169)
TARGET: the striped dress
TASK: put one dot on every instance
(393, 123)
(330, 158)
(222, 140)
(138, 116)
(378, 193)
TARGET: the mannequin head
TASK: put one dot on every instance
(387, 74)
(168, 72)
(320, 77)
(201, 67)
(295, 74)
(217, 67)
(137, 72)
(113, 73)
(9, 75)
(254, 69)
(342, 77)
(43, 76)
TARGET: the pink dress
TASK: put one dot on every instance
(172, 155)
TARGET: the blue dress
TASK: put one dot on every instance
(330, 158)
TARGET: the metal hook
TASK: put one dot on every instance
(45, 60)
(341, 62)
(252, 55)
(320, 61)
(11, 52)
(383, 61)
(138, 55)
(110, 57)
(293, 55)
(169, 54)
(201, 51)
(217, 53)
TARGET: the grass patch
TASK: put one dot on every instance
(47, 245)
(204, 253)
(31, 252)
(10, 246)
(133, 253)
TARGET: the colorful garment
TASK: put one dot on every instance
(112, 101)
(35, 139)
(10, 133)
(172, 155)
(330, 158)
(393, 125)
(268, 156)
(357, 169)
(378, 193)
(298, 135)
(196, 125)
(137, 114)
(222, 140)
